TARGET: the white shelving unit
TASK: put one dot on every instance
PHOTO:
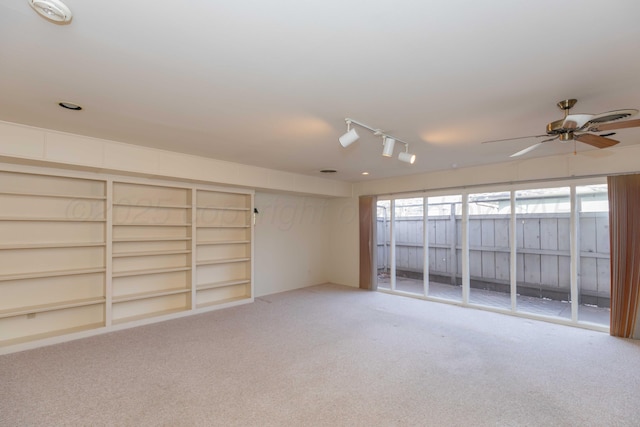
(151, 251)
(223, 247)
(83, 253)
(52, 256)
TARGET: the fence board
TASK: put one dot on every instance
(501, 233)
(488, 233)
(475, 231)
(564, 234)
(488, 265)
(531, 235)
(532, 268)
(520, 268)
(588, 274)
(549, 270)
(564, 271)
(503, 270)
(549, 233)
(604, 276)
(588, 235)
(602, 234)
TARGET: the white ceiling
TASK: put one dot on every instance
(269, 83)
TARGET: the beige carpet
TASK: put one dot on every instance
(330, 356)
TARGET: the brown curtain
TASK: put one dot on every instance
(624, 232)
(367, 239)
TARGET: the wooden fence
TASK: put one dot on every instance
(542, 248)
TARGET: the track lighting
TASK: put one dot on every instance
(388, 142)
(350, 137)
(407, 157)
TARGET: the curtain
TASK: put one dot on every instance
(366, 211)
(624, 235)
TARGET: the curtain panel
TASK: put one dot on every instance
(366, 212)
(624, 234)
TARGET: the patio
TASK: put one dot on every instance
(500, 300)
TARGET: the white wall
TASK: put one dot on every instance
(291, 239)
(344, 256)
(29, 145)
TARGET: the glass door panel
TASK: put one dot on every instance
(594, 290)
(543, 260)
(383, 242)
(490, 249)
(409, 244)
(444, 216)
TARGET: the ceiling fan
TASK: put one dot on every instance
(580, 127)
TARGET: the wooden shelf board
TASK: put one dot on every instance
(224, 284)
(50, 307)
(139, 224)
(149, 271)
(43, 219)
(222, 208)
(52, 245)
(223, 226)
(222, 261)
(150, 239)
(149, 253)
(146, 295)
(57, 273)
(148, 315)
(57, 196)
(142, 205)
(51, 334)
(222, 301)
(223, 242)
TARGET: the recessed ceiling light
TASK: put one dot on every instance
(70, 106)
(328, 171)
(365, 173)
(53, 10)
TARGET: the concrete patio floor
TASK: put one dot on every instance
(525, 304)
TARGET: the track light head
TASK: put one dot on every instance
(350, 137)
(387, 149)
(407, 157)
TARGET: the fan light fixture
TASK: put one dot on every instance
(388, 141)
(53, 10)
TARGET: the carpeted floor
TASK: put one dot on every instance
(329, 356)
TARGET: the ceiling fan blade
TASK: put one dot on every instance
(576, 121)
(617, 125)
(596, 140)
(512, 139)
(611, 116)
(526, 150)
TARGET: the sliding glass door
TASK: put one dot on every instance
(444, 222)
(543, 260)
(538, 251)
(490, 249)
(408, 227)
(594, 285)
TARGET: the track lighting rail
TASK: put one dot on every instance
(388, 141)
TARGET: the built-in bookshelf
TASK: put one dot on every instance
(223, 247)
(151, 273)
(52, 256)
(82, 254)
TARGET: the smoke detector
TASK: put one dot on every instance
(53, 10)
